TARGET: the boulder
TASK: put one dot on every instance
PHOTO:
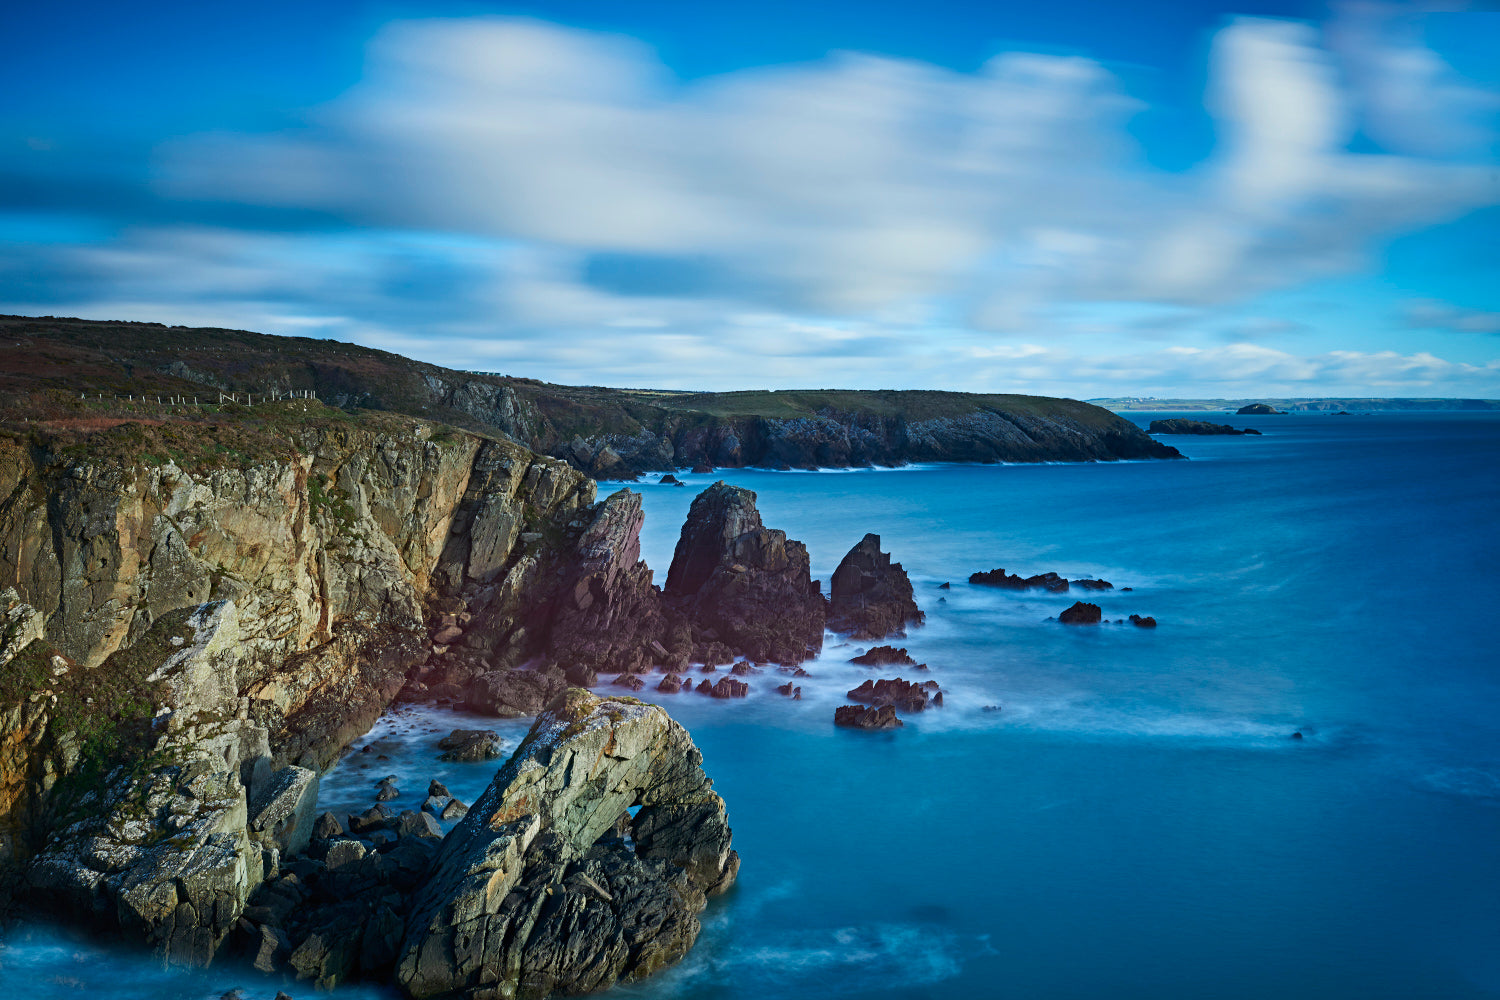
(861, 717)
(748, 585)
(1081, 614)
(533, 893)
(631, 682)
(512, 693)
(671, 480)
(1142, 622)
(670, 684)
(470, 745)
(871, 596)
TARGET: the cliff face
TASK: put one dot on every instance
(334, 559)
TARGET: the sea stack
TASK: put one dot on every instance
(870, 596)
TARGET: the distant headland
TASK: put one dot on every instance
(1330, 404)
(604, 432)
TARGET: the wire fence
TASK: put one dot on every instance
(245, 398)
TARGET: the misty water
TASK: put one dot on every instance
(1136, 821)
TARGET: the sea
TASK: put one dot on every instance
(1096, 811)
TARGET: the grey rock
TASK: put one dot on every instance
(529, 896)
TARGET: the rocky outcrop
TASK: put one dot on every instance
(1052, 583)
(860, 717)
(870, 596)
(1177, 425)
(1141, 621)
(881, 656)
(736, 582)
(908, 696)
(1081, 614)
(609, 614)
(534, 892)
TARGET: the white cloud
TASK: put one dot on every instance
(1434, 315)
(853, 184)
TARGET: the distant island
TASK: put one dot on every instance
(1180, 426)
(1331, 404)
(607, 433)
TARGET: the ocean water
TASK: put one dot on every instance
(1135, 821)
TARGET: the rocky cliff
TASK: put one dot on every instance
(167, 595)
(608, 433)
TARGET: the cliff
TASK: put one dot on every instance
(608, 433)
(331, 548)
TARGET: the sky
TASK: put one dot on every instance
(1072, 198)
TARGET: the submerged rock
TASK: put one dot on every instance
(1050, 582)
(534, 893)
(871, 596)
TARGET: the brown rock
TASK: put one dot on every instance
(860, 717)
(882, 656)
(871, 595)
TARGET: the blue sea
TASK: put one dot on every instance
(1136, 820)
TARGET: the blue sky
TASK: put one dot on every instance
(1068, 198)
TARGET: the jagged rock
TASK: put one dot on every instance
(1081, 614)
(898, 693)
(609, 618)
(435, 804)
(881, 656)
(671, 480)
(1143, 622)
(794, 693)
(1094, 584)
(747, 584)
(453, 810)
(531, 894)
(744, 669)
(670, 684)
(387, 791)
(860, 717)
(727, 687)
(631, 682)
(470, 745)
(871, 596)
(436, 787)
(1050, 582)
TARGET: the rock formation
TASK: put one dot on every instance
(1257, 409)
(870, 596)
(1178, 425)
(860, 717)
(744, 585)
(1143, 621)
(908, 696)
(534, 893)
(1052, 583)
(1081, 614)
(881, 656)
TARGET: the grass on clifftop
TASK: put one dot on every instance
(910, 404)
